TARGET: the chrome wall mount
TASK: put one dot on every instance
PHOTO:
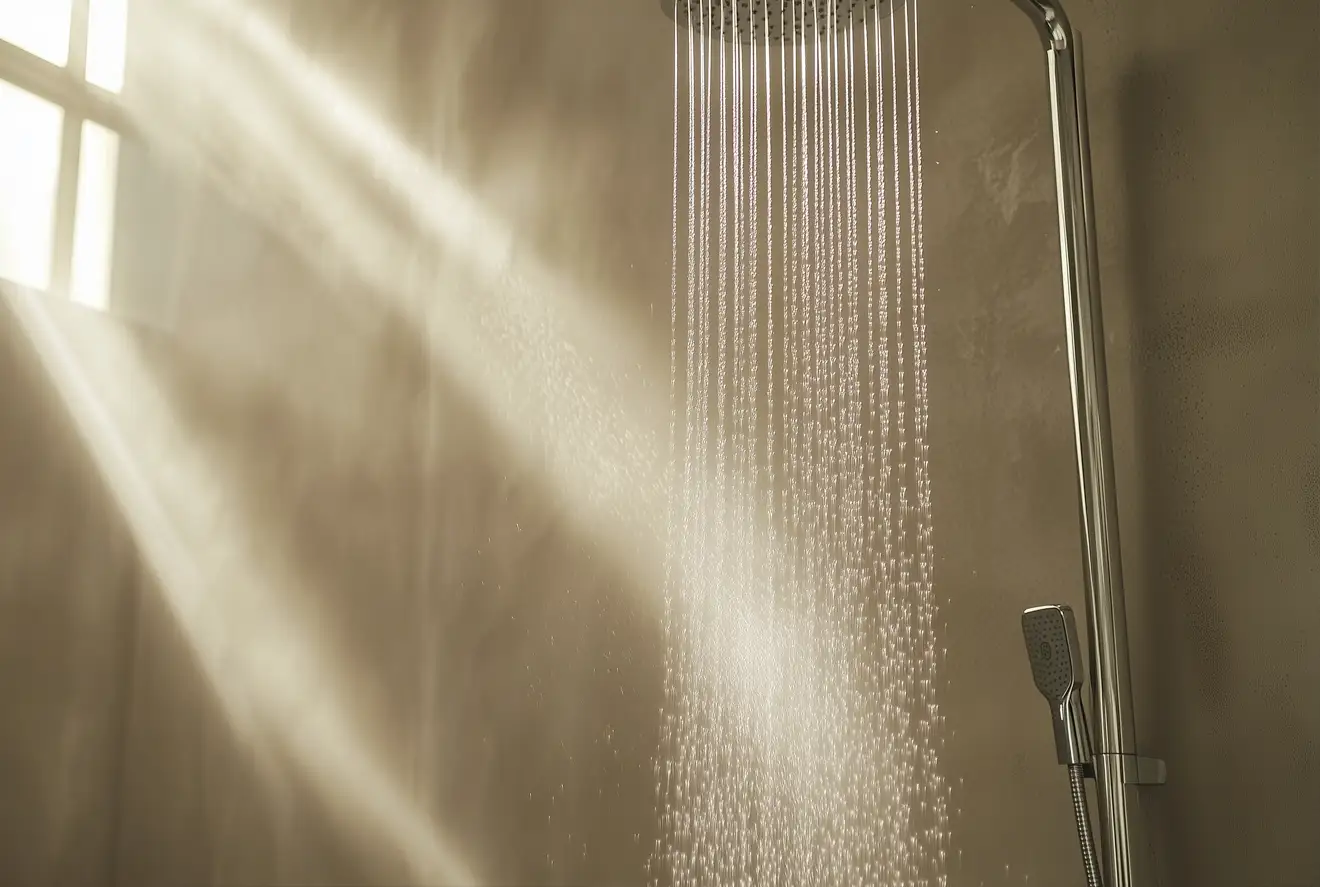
(1118, 768)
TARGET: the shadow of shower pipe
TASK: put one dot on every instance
(1221, 309)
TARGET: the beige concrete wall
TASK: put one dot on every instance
(500, 656)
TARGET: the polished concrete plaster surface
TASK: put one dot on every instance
(501, 656)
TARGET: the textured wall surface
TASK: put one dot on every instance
(489, 634)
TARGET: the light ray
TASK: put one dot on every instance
(236, 607)
(532, 347)
(560, 380)
(557, 377)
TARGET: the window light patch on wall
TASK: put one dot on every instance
(107, 40)
(29, 179)
(41, 27)
(93, 232)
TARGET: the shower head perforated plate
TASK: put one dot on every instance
(1053, 650)
(755, 21)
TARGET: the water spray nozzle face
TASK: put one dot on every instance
(1052, 647)
(759, 21)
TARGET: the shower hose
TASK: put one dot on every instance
(1077, 782)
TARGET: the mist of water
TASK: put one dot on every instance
(802, 734)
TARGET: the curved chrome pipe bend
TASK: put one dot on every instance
(1050, 21)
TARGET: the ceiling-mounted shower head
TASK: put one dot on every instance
(1056, 665)
(755, 21)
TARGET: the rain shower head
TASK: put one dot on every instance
(1056, 666)
(756, 21)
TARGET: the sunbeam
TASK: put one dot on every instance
(236, 605)
(561, 382)
(561, 379)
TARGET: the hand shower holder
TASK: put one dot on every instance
(1137, 770)
(1141, 770)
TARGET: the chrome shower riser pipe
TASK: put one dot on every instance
(1118, 769)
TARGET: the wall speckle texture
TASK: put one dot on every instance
(505, 661)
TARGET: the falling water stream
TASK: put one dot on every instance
(801, 732)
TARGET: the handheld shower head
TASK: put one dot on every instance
(1056, 666)
(755, 21)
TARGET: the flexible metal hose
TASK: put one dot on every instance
(1077, 782)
